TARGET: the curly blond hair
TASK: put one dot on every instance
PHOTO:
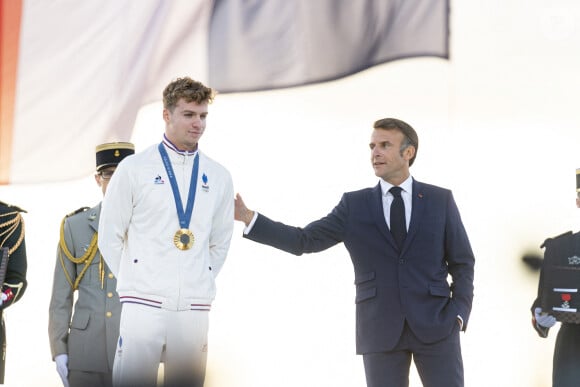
(189, 90)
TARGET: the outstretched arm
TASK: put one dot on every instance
(316, 236)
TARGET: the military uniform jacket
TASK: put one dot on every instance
(12, 237)
(89, 333)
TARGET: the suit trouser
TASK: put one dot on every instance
(439, 364)
(147, 335)
(566, 367)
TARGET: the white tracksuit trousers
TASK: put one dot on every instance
(148, 335)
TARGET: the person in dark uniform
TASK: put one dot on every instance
(566, 360)
(13, 275)
(83, 343)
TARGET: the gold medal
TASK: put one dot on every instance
(183, 239)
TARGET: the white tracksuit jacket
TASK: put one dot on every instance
(138, 222)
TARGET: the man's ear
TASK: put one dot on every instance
(409, 152)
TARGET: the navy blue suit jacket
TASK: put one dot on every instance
(391, 285)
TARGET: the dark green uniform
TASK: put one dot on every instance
(11, 237)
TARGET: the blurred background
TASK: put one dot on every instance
(498, 124)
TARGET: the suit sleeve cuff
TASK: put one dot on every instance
(249, 227)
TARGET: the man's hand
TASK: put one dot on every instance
(62, 367)
(241, 212)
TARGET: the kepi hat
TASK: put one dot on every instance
(111, 153)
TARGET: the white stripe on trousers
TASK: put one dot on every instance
(148, 335)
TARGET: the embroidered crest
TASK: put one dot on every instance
(574, 260)
(566, 297)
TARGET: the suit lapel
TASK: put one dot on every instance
(418, 206)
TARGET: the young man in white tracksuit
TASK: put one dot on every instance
(165, 230)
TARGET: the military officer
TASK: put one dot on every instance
(13, 275)
(566, 358)
(83, 343)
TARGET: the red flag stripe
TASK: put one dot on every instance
(10, 15)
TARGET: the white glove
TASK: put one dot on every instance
(62, 367)
(546, 320)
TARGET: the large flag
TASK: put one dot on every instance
(75, 73)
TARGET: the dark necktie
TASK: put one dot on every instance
(398, 223)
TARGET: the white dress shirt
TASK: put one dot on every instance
(406, 194)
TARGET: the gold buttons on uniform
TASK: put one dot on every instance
(108, 314)
(110, 294)
(111, 276)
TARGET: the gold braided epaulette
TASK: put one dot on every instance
(12, 207)
(10, 226)
(82, 209)
(85, 259)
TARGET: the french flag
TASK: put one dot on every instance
(74, 74)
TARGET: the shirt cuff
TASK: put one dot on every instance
(460, 322)
(251, 225)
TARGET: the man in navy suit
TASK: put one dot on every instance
(405, 306)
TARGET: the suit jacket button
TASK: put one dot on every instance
(401, 261)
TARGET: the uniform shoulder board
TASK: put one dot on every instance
(10, 206)
(82, 209)
(567, 233)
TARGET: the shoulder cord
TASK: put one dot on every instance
(11, 227)
(87, 258)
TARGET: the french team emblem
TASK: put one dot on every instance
(205, 185)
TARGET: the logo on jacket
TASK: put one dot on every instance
(575, 260)
(205, 185)
(566, 297)
(120, 346)
(159, 180)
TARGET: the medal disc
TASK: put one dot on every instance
(183, 239)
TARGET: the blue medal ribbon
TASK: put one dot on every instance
(183, 216)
